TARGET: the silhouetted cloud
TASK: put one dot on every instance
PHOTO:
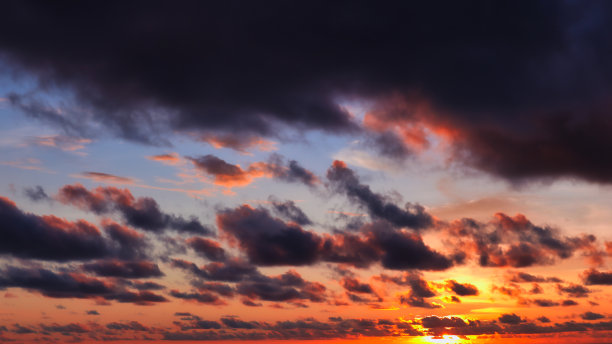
(460, 289)
(595, 277)
(493, 104)
(513, 241)
(207, 248)
(267, 240)
(591, 316)
(72, 285)
(48, 237)
(36, 193)
(344, 180)
(523, 277)
(290, 211)
(124, 269)
(142, 212)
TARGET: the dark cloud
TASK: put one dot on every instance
(142, 212)
(127, 326)
(229, 271)
(436, 322)
(595, 277)
(355, 286)
(200, 297)
(36, 193)
(574, 290)
(460, 289)
(267, 240)
(395, 249)
(207, 248)
(232, 322)
(219, 288)
(72, 285)
(290, 211)
(513, 241)
(130, 243)
(523, 277)
(17, 328)
(569, 303)
(416, 301)
(290, 171)
(512, 319)
(124, 269)
(345, 181)
(69, 328)
(270, 241)
(48, 237)
(92, 312)
(286, 287)
(419, 289)
(404, 250)
(591, 316)
(229, 175)
(147, 285)
(545, 303)
(495, 89)
(250, 283)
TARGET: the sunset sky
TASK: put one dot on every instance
(306, 171)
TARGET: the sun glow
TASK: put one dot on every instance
(442, 339)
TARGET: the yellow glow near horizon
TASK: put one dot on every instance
(441, 340)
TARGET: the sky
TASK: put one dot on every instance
(306, 171)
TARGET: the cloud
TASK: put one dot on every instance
(460, 289)
(523, 277)
(267, 240)
(232, 270)
(48, 237)
(493, 103)
(167, 159)
(65, 143)
(142, 212)
(200, 297)
(436, 322)
(127, 326)
(229, 175)
(105, 177)
(591, 316)
(355, 286)
(287, 287)
(72, 285)
(239, 143)
(207, 248)
(574, 290)
(290, 171)
(124, 269)
(404, 250)
(344, 180)
(513, 241)
(270, 241)
(512, 319)
(290, 211)
(419, 289)
(595, 277)
(36, 193)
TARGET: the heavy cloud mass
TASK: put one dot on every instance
(51, 238)
(142, 212)
(306, 171)
(541, 84)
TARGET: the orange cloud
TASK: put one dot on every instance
(239, 143)
(167, 159)
(105, 178)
